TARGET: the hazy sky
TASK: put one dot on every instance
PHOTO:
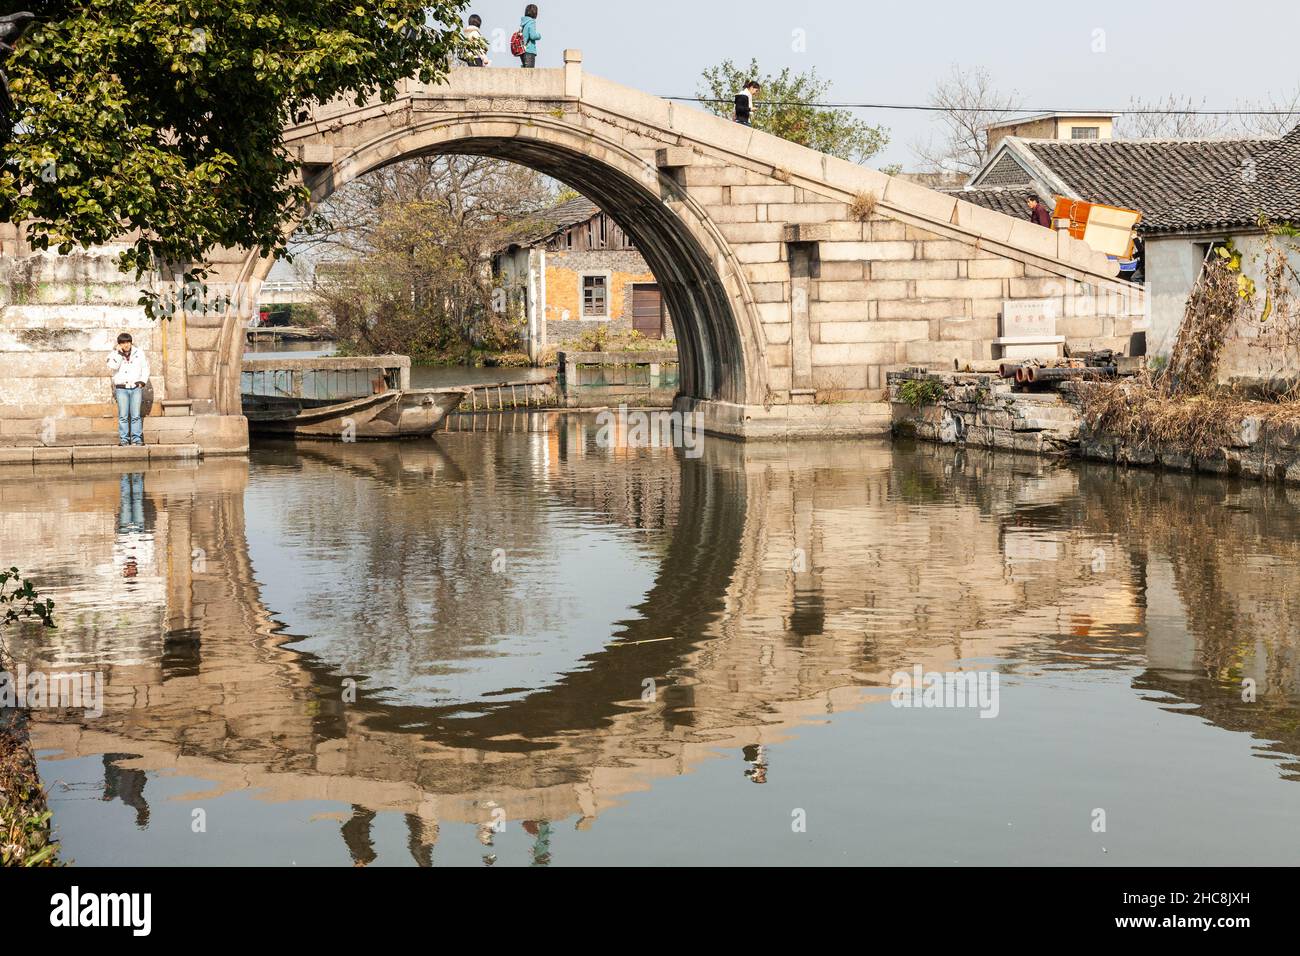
(893, 53)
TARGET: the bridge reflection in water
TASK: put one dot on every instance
(648, 616)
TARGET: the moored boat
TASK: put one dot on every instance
(343, 399)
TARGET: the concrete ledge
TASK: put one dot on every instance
(784, 422)
(71, 454)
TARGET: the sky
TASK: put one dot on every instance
(1094, 55)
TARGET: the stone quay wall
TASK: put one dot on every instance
(982, 410)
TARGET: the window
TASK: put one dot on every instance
(1085, 132)
(595, 297)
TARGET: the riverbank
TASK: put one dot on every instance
(24, 813)
(1127, 423)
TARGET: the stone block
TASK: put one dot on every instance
(922, 309)
(1043, 288)
(761, 194)
(753, 232)
(810, 213)
(879, 331)
(853, 353)
(674, 157)
(983, 222)
(751, 252)
(938, 354)
(844, 271)
(969, 330)
(221, 434)
(1033, 238)
(959, 288)
(994, 268)
(914, 269)
(867, 251)
(918, 200)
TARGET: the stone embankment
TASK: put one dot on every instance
(983, 410)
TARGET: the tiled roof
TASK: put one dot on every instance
(1008, 200)
(1264, 183)
(1005, 172)
(1150, 175)
(540, 226)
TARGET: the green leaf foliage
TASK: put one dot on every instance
(828, 130)
(157, 123)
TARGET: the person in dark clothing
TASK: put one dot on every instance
(1038, 212)
(745, 102)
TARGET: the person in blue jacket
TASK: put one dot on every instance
(528, 28)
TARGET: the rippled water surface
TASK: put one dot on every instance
(512, 646)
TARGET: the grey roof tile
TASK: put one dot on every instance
(1155, 177)
(1008, 200)
(1265, 184)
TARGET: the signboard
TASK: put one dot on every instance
(1029, 319)
(1107, 229)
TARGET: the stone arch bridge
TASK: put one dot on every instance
(795, 279)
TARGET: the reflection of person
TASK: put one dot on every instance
(130, 370)
(130, 513)
(756, 757)
(132, 543)
(127, 786)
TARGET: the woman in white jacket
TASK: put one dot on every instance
(130, 368)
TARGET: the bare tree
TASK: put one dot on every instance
(402, 255)
(1282, 114)
(968, 102)
(1172, 117)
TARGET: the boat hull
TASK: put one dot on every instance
(399, 413)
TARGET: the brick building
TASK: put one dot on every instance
(578, 271)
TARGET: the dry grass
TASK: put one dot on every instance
(1139, 412)
(863, 206)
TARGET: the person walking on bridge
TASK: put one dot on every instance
(130, 370)
(524, 43)
(1038, 212)
(745, 102)
(477, 45)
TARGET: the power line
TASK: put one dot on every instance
(985, 109)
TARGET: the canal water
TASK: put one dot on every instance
(536, 643)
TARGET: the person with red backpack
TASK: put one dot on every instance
(524, 43)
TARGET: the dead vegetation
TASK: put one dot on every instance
(1183, 406)
(863, 206)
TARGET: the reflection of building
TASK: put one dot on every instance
(785, 588)
(578, 271)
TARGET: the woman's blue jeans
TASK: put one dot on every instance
(130, 427)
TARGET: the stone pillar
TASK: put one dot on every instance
(175, 356)
(573, 74)
(533, 300)
(805, 264)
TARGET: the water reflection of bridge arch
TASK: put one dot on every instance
(755, 647)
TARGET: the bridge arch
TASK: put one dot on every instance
(719, 334)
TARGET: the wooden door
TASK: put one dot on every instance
(648, 310)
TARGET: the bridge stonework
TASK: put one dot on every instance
(795, 279)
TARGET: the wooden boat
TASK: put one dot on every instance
(344, 399)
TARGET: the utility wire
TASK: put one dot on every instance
(985, 109)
